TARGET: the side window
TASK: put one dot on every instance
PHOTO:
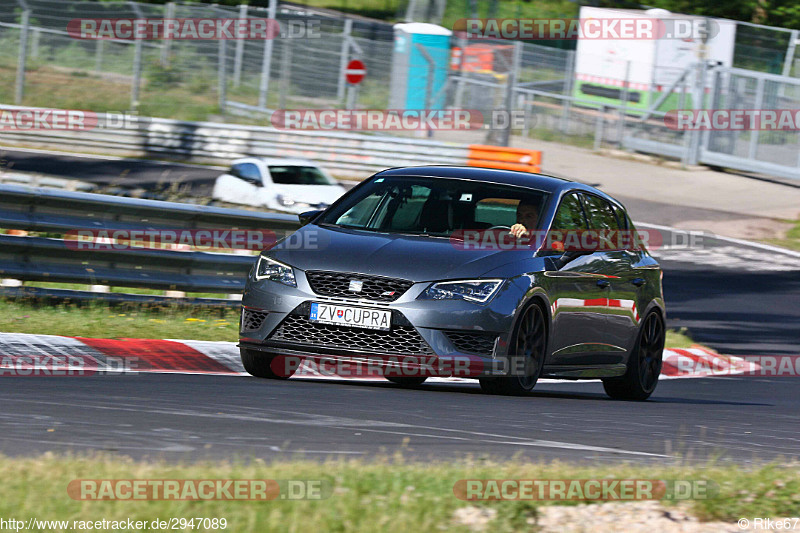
(601, 215)
(569, 215)
(248, 172)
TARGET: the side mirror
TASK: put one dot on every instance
(308, 216)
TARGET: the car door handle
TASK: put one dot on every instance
(603, 283)
(638, 281)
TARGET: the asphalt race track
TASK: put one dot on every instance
(736, 298)
(183, 416)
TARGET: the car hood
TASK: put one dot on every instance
(398, 256)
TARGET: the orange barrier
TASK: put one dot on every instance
(482, 155)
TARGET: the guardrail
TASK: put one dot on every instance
(29, 258)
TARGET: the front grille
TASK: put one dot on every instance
(252, 320)
(476, 342)
(402, 340)
(375, 288)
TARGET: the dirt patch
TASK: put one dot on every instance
(638, 517)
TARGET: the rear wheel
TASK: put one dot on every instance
(407, 381)
(644, 363)
(528, 343)
(260, 365)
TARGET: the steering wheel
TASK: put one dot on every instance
(500, 227)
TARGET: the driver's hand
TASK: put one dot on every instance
(518, 230)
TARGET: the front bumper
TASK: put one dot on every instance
(448, 330)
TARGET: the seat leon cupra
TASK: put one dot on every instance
(498, 275)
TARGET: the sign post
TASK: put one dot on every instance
(354, 74)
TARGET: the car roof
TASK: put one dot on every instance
(517, 178)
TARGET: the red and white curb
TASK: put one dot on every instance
(28, 354)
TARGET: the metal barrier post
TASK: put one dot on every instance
(598, 128)
(222, 74)
(98, 55)
(37, 36)
(165, 47)
(19, 91)
(344, 57)
(511, 84)
(266, 63)
(237, 65)
(137, 64)
(286, 72)
(751, 149)
(428, 80)
(624, 106)
(570, 77)
(789, 59)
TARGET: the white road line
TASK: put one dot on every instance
(742, 242)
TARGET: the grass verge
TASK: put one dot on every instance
(126, 321)
(792, 238)
(377, 495)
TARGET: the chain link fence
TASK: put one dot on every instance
(41, 64)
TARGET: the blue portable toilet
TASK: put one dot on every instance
(410, 69)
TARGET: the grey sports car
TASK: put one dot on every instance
(498, 275)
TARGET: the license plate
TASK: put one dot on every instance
(345, 315)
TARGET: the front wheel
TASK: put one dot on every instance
(260, 365)
(644, 363)
(529, 344)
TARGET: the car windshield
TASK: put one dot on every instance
(299, 175)
(435, 206)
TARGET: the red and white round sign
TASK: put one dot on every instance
(355, 71)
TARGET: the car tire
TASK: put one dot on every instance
(259, 364)
(644, 363)
(530, 341)
(407, 381)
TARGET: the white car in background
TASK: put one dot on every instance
(294, 185)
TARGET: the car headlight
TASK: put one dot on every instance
(473, 290)
(285, 201)
(275, 271)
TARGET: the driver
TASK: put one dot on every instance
(527, 217)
